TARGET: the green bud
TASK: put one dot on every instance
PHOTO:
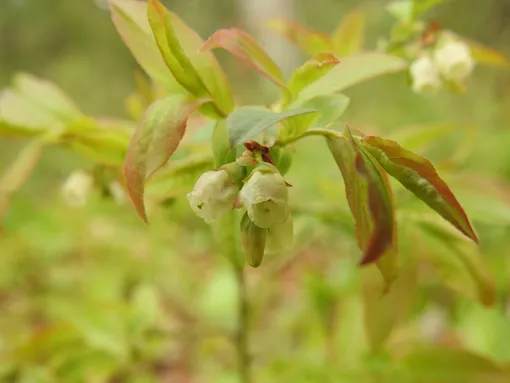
(254, 241)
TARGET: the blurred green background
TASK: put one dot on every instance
(93, 295)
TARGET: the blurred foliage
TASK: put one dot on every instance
(92, 295)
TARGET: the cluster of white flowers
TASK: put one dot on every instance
(265, 197)
(450, 61)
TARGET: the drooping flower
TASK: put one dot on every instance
(265, 197)
(425, 75)
(214, 194)
(77, 188)
(454, 60)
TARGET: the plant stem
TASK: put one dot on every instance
(311, 132)
(242, 335)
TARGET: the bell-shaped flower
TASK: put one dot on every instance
(454, 60)
(77, 188)
(425, 75)
(265, 197)
(214, 194)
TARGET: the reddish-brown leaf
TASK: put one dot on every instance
(419, 176)
(243, 46)
(155, 140)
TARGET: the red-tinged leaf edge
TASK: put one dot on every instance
(387, 150)
(135, 171)
(227, 39)
(382, 233)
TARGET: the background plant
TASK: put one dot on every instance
(329, 282)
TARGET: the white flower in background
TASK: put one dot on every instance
(77, 188)
(454, 60)
(265, 197)
(215, 193)
(117, 192)
(425, 75)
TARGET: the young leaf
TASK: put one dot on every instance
(451, 365)
(36, 104)
(351, 71)
(348, 37)
(311, 42)
(422, 6)
(330, 107)
(130, 19)
(223, 153)
(418, 175)
(369, 199)
(155, 140)
(486, 55)
(242, 45)
(311, 71)
(247, 122)
(160, 21)
(197, 70)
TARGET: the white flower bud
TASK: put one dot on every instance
(425, 75)
(265, 198)
(454, 60)
(215, 193)
(77, 188)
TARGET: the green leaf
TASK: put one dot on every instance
(419, 176)
(104, 140)
(370, 201)
(197, 70)
(19, 171)
(351, 71)
(422, 6)
(451, 365)
(330, 107)
(457, 260)
(160, 21)
(155, 140)
(178, 177)
(223, 153)
(247, 122)
(311, 42)
(311, 71)
(348, 37)
(130, 19)
(18, 131)
(243, 46)
(401, 9)
(36, 104)
(488, 56)
(385, 310)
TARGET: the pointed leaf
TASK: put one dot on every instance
(486, 55)
(351, 71)
(330, 107)
(33, 103)
(155, 140)
(160, 21)
(369, 199)
(242, 45)
(198, 71)
(311, 42)
(311, 71)
(419, 176)
(451, 365)
(348, 37)
(130, 19)
(247, 122)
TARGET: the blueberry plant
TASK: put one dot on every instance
(240, 188)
